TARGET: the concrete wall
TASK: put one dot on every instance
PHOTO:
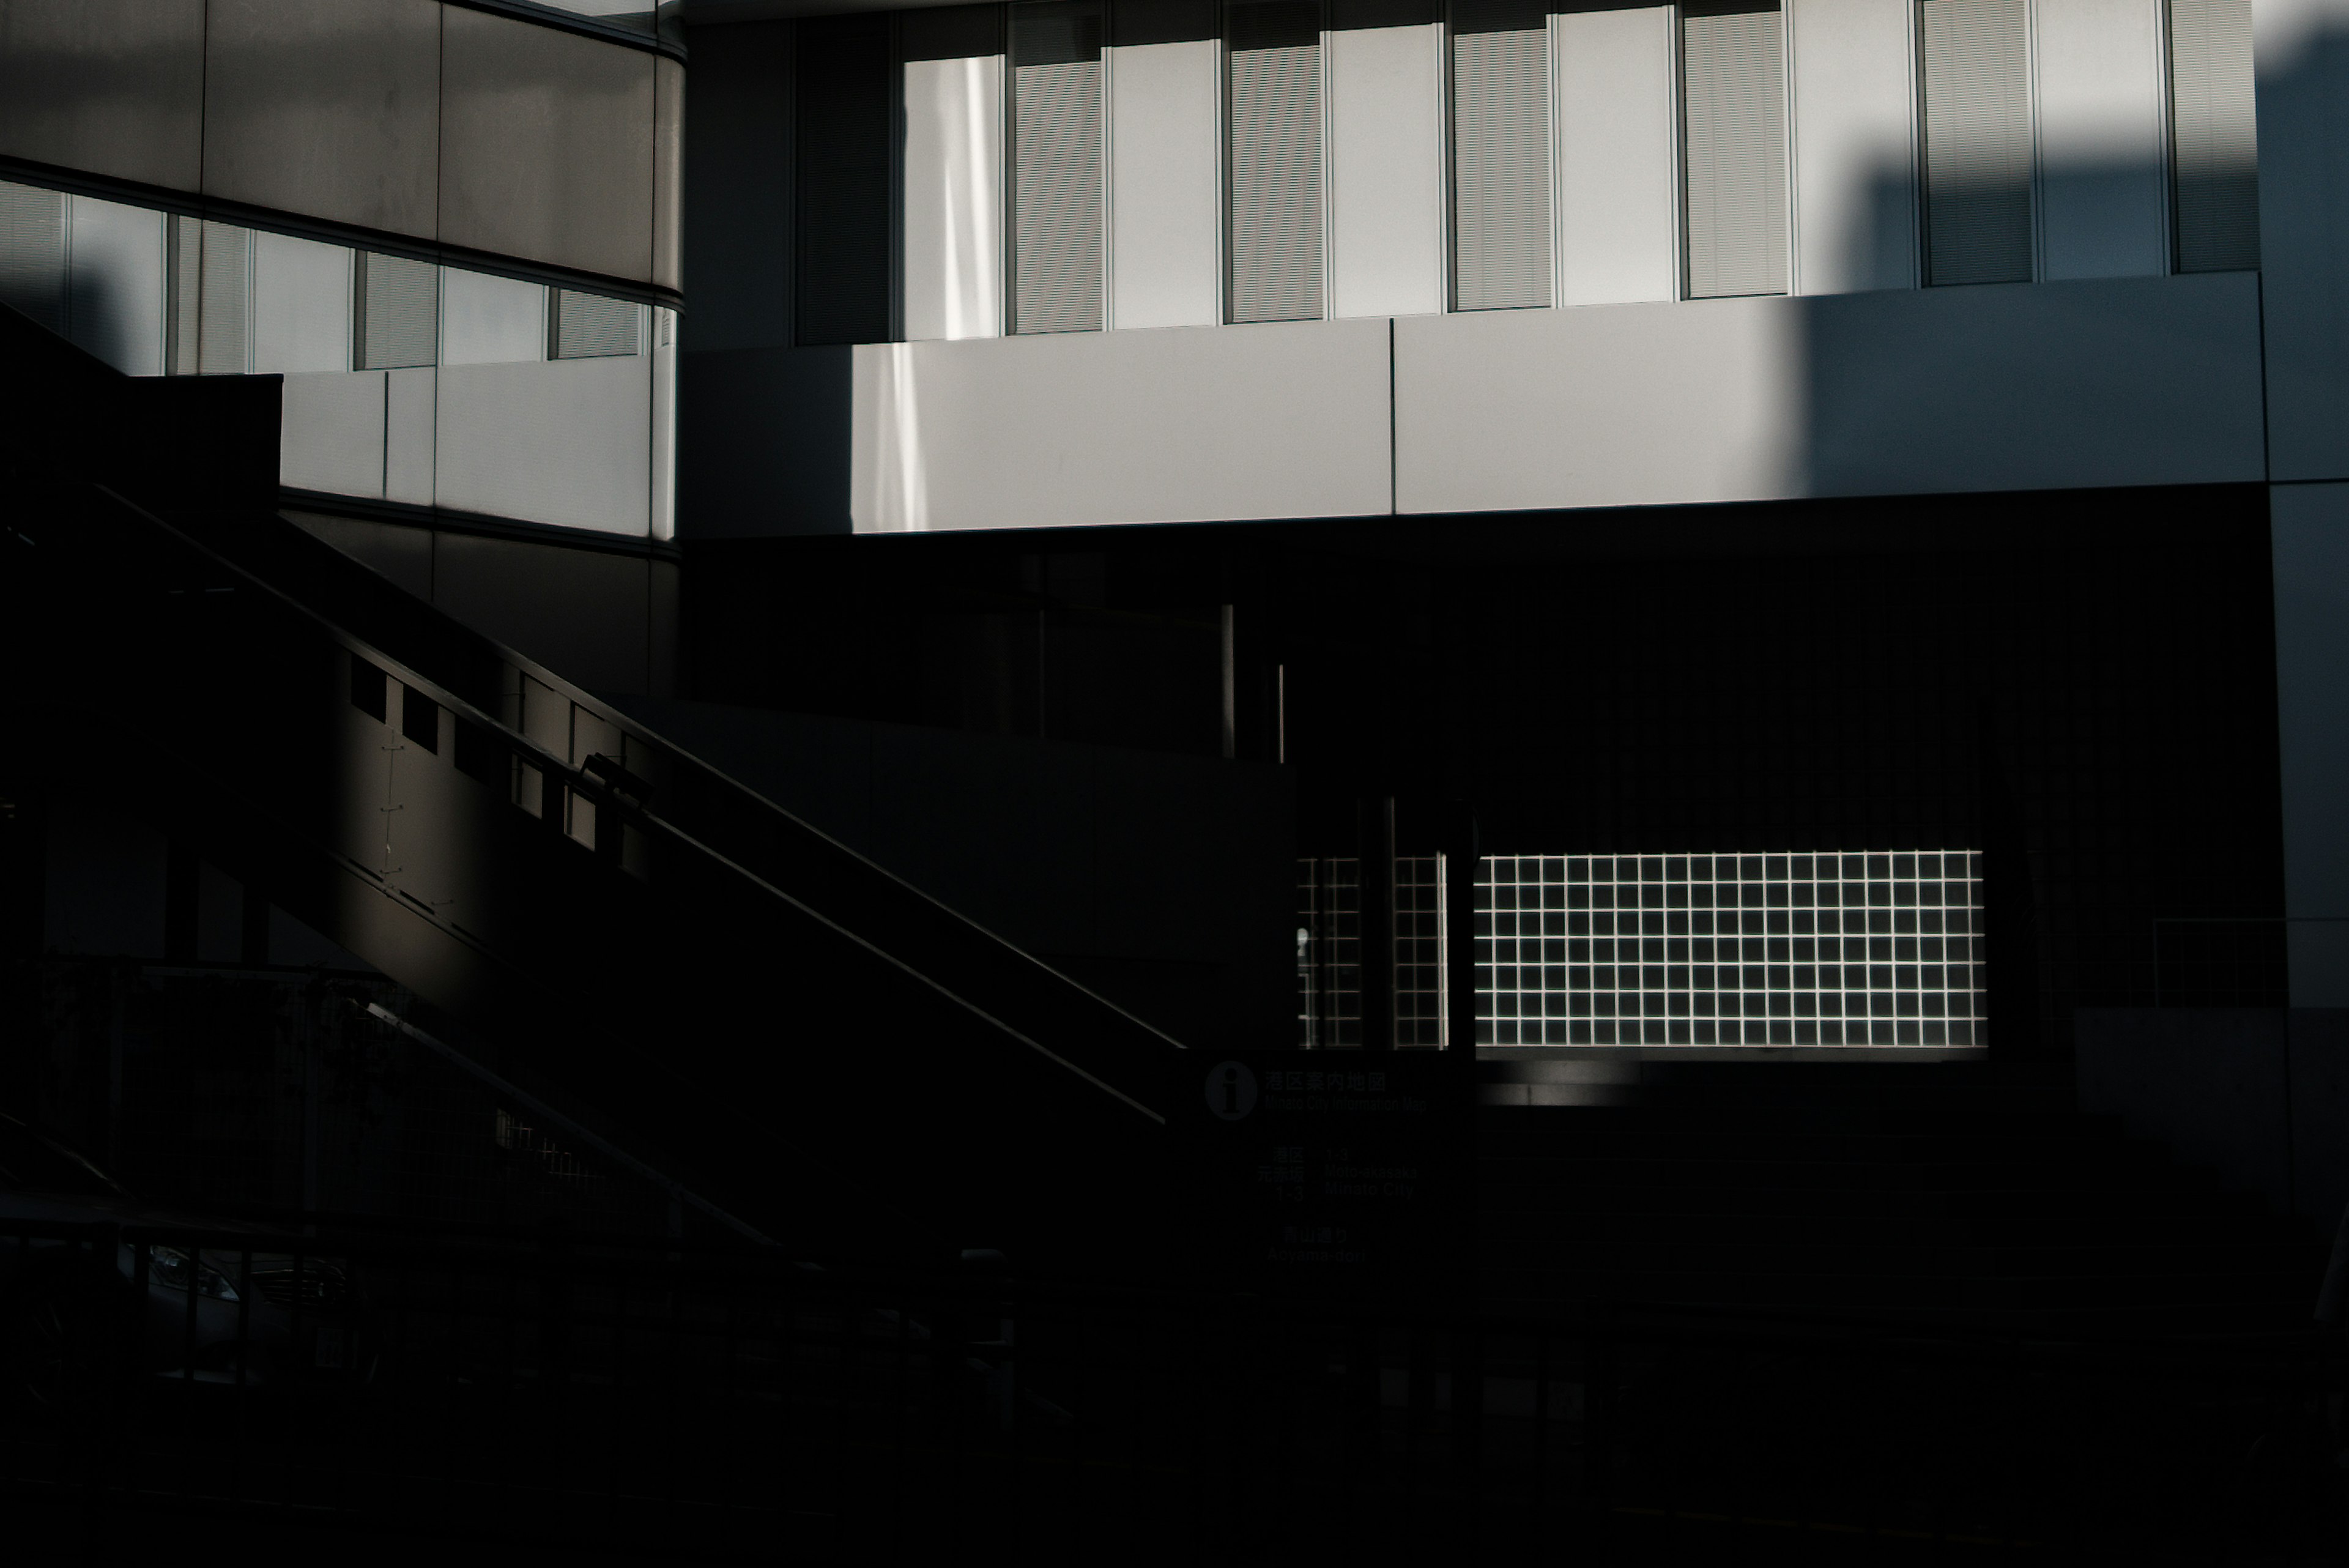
(2258, 1096)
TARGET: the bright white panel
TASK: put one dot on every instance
(301, 305)
(1855, 168)
(664, 503)
(114, 283)
(408, 434)
(1618, 238)
(565, 441)
(330, 432)
(2102, 136)
(954, 198)
(1386, 170)
(1163, 190)
(488, 320)
(2117, 382)
(1284, 419)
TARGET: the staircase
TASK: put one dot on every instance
(1943, 1191)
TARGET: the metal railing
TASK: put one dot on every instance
(714, 1403)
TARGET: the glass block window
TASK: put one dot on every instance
(1419, 953)
(1328, 952)
(1871, 949)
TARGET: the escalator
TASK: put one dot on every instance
(806, 1039)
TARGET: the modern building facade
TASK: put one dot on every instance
(1832, 510)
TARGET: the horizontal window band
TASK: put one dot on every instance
(562, 21)
(476, 524)
(160, 199)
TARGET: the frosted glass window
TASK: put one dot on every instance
(222, 328)
(489, 320)
(1056, 159)
(301, 306)
(1977, 151)
(397, 312)
(2215, 134)
(1276, 161)
(593, 326)
(1501, 165)
(33, 253)
(1733, 65)
(116, 292)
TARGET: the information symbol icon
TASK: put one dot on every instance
(1231, 1090)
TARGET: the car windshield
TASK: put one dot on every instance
(31, 1163)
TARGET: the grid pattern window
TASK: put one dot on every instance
(591, 326)
(2214, 135)
(1274, 265)
(396, 323)
(1872, 948)
(1418, 951)
(1977, 142)
(1328, 953)
(1501, 163)
(1734, 71)
(1056, 167)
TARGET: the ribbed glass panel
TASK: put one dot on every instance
(1977, 141)
(1055, 236)
(1276, 183)
(2217, 140)
(398, 315)
(1500, 126)
(1734, 66)
(184, 329)
(226, 311)
(33, 253)
(591, 326)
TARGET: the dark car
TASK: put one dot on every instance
(75, 1247)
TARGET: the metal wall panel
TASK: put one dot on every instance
(1854, 91)
(410, 399)
(668, 173)
(1164, 186)
(842, 136)
(326, 107)
(330, 434)
(1618, 238)
(953, 193)
(1500, 151)
(1386, 171)
(1056, 167)
(33, 253)
(562, 442)
(118, 284)
(1978, 141)
(2103, 130)
(1734, 72)
(2309, 533)
(739, 179)
(301, 306)
(547, 145)
(2215, 135)
(111, 86)
(1274, 82)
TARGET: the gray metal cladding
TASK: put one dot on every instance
(841, 130)
(1733, 65)
(1978, 144)
(397, 324)
(592, 327)
(225, 301)
(1501, 159)
(1056, 141)
(33, 253)
(1276, 161)
(2214, 135)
